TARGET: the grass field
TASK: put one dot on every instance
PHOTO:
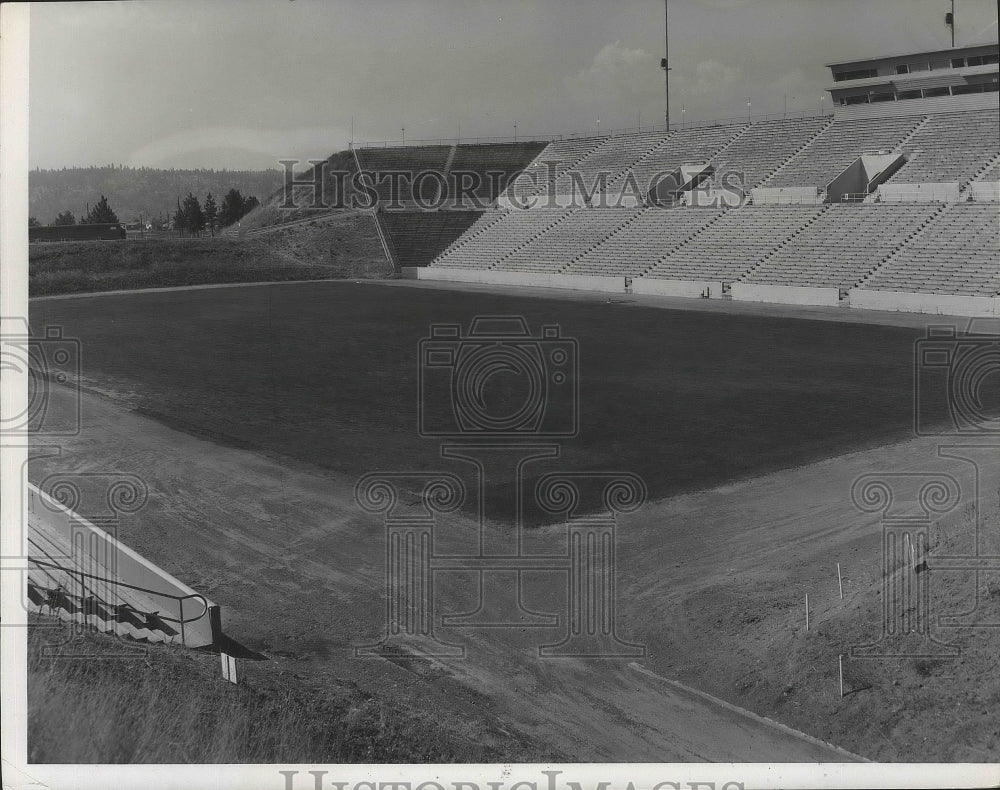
(326, 373)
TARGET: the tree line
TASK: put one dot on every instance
(191, 216)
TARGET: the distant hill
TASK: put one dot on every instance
(132, 191)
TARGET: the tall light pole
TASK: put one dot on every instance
(665, 63)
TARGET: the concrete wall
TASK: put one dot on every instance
(687, 288)
(576, 282)
(49, 516)
(985, 190)
(935, 304)
(785, 294)
(945, 192)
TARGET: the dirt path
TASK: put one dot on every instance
(299, 572)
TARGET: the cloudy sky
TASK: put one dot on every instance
(243, 83)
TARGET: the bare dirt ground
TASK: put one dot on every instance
(712, 584)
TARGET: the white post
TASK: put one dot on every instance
(840, 666)
(807, 611)
(840, 582)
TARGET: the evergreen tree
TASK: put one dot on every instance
(180, 220)
(101, 213)
(211, 213)
(232, 208)
(65, 218)
(194, 217)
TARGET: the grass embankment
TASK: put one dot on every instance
(343, 246)
(745, 641)
(172, 705)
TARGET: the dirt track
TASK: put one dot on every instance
(299, 571)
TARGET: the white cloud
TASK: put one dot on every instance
(616, 71)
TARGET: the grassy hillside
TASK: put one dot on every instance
(270, 213)
(171, 705)
(342, 246)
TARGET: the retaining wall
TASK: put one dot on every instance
(785, 294)
(935, 304)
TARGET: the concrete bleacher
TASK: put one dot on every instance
(844, 243)
(951, 147)
(735, 243)
(418, 237)
(607, 161)
(406, 159)
(556, 158)
(956, 255)
(681, 147)
(765, 146)
(840, 144)
(642, 241)
(494, 165)
(796, 252)
(491, 242)
(581, 230)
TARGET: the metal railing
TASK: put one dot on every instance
(180, 599)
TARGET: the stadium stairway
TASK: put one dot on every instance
(988, 172)
(77, 572)
(793, 154)
(94, 599)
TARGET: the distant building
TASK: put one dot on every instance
(963, 78)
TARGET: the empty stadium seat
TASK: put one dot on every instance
(957, 254)
(845, 243)
(734, 244)
(840, 144)
(951, 147)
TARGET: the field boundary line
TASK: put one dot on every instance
(749, 714)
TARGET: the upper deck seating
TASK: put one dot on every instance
(951, 147)
(840, 144)
(410, 160)
(606, 162)
(682, 147)
(557, 157)
(762, 148)
(491, 167)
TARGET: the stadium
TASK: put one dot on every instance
(669, 444)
